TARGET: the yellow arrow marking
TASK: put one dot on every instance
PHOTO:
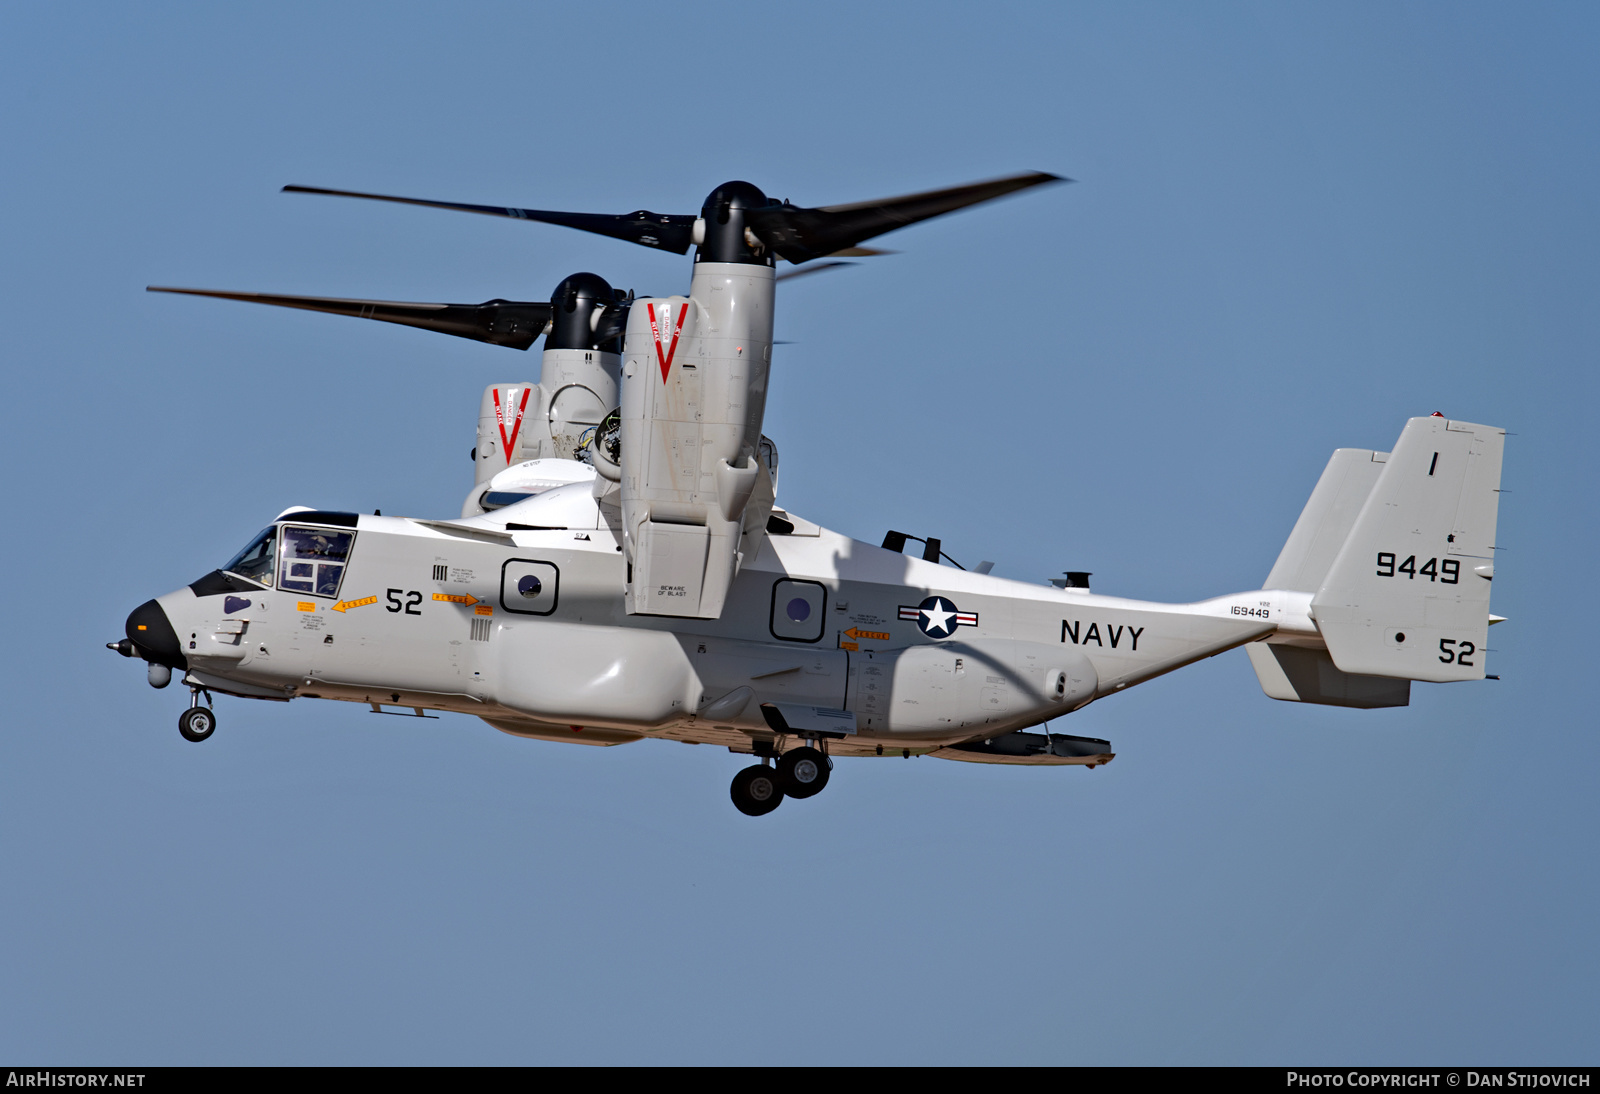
(857, 633)
(452, 598)
(346, 605)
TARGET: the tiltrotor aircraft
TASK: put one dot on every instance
(621, 568)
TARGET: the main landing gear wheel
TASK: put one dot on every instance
(757, 791)
(803, 771)
(197, 723)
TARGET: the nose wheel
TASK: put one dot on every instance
(198, 722)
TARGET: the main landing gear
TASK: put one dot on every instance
(799, 773)
(756, 791)
(198, 722)
(803, 771)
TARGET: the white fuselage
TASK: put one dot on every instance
(428, 615)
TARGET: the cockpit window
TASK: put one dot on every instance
(314, 559)
(255, 561)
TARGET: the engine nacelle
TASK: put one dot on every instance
(547, 420)
(578, 384)
(694, 392)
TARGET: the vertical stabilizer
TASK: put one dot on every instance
(1408, 594)
(1326, 520)
(1299, 673)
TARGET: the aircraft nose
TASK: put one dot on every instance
(151, 630)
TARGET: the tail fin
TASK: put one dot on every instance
(1297, 673)
(1327, 519)
(1407, 596)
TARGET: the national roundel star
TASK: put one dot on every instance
(936, 617)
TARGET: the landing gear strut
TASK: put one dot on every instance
(198, 722)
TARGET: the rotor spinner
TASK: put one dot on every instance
(723, 231)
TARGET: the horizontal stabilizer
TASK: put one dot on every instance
(1309, 676)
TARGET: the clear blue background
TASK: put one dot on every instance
(1294, 227)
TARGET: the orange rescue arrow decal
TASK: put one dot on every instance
(452, 598)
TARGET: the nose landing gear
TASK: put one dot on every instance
(800, 773)
(198, 722)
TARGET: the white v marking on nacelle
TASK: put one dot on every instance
(665, 359)
(509, 444)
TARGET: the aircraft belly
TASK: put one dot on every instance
(519, 726)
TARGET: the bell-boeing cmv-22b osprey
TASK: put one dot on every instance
(621, 570)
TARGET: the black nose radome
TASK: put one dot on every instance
(151, 630)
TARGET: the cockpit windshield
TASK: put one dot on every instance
(255, 561)
(314, 559)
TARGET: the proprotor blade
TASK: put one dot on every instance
(498, 322)
(790, 275)
(663, 231)
(800, 235)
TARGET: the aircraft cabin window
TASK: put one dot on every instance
(798, 610)
(256, 561)
(528, 587)
(314, 559)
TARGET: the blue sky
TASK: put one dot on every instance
(1294, 226)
